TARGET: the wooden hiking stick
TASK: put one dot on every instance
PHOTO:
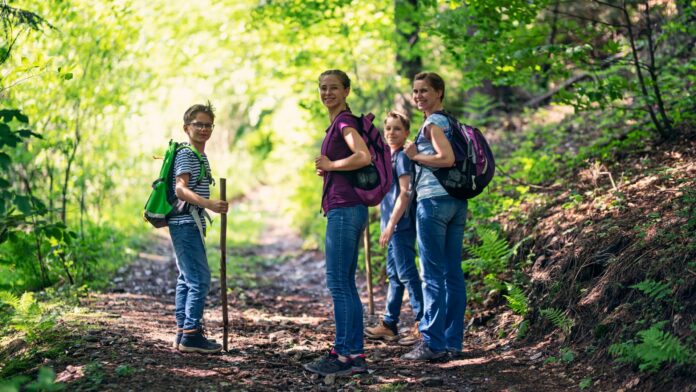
(368, 268)
(223, 265)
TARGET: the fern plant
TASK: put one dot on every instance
(478, 108)
(516, 300)
(491, 256)
(559, 319)
(27, 315)
(655, 348)
(653, 289)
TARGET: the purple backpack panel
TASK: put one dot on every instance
(381, 161)
(371, 183)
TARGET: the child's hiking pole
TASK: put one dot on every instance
(223, 265)
(368, 268)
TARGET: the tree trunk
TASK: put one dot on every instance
(408, 60)
(636, 62)
(653, 74)
(71, 159)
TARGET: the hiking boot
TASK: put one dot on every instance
(358, 364)
(423, 353)
(330, 364)
(177, 340)
(179, 334)
(194, 341)
(453, 355)
(412, 338)
(382, 331)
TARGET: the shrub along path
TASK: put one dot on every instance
(281, 320)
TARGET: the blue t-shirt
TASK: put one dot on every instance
(428, 186)
(401, 166)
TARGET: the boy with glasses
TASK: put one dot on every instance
(187, 231)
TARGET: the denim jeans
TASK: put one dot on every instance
(402, 273)
(440, 222)
(194, 275)
(343, 229)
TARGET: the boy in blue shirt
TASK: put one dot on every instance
(399, 235)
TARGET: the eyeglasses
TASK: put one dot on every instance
(199, 126)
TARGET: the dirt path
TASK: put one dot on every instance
(275, 327)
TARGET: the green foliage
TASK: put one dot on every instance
(124, 370)
(585, 383)
(94, 373)
(479, 108)
(522, 329)
(567, 355)
(653, 349)
(394, 387)
(27, 315)
(517, 300)
(559, 319)
(653, 289)
(490, 256)
(45, 382)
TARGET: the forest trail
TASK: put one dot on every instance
(281, 320)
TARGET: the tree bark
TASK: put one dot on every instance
(408, 62)
(652, 71)
(71, 159)
(641, 80)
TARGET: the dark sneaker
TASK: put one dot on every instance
(423, 353)
(358, 364)
(453, 355)
(194, 341)
(177, 340)
(412, 338)
(382, 331)
(330, 364)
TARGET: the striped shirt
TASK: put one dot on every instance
(187, 162)
(428, 186)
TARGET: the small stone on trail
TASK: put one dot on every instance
(431, 381)
(536, 356)
(330, 379)
(149, 361)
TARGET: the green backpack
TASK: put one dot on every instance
(163, 203)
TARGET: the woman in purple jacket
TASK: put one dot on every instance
(343, 150)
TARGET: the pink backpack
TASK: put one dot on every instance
(372, 182)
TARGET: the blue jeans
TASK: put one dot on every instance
(402, 273)
(343, 229)
(440, 222)
(194, 275)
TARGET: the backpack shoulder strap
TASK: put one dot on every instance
(202, 170)
(453, 122)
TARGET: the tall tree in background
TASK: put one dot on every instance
(408, 58)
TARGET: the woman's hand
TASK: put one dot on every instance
(386, 236)
(323, 163)
(410, 149)
(320, 173)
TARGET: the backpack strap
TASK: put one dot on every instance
(197, 218)
(203, 171)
